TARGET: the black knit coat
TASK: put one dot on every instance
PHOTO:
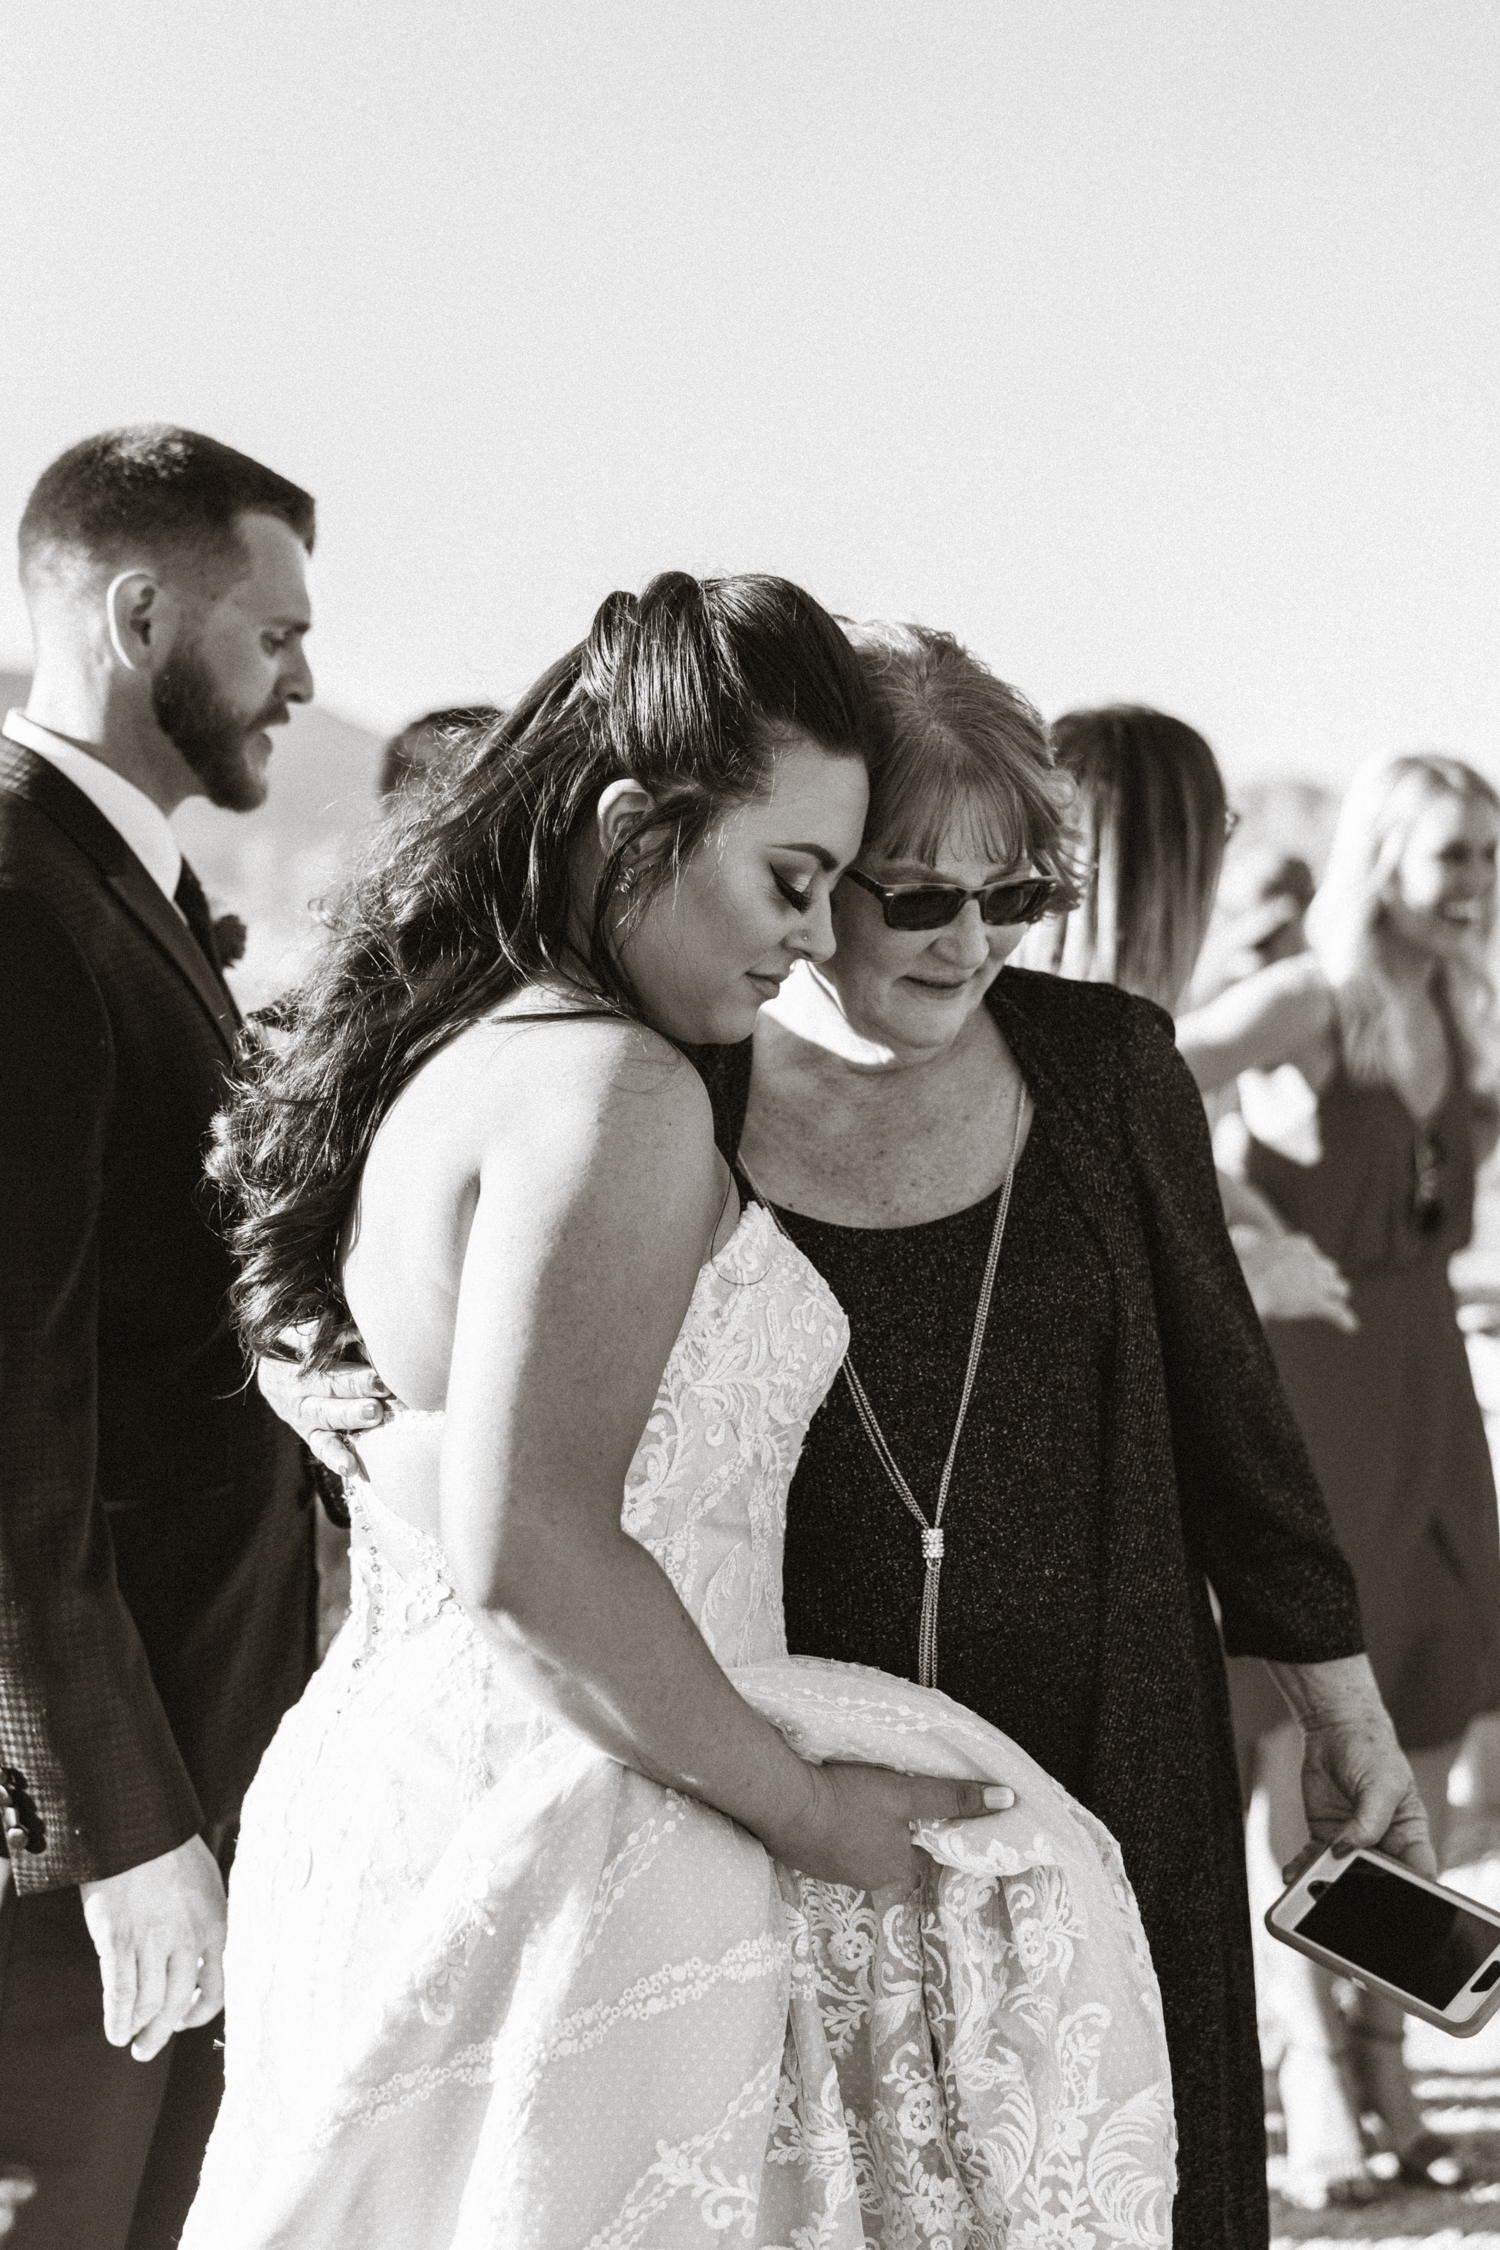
(1206, 1482)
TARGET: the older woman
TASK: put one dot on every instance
(1060, 1416)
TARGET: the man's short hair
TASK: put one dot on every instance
(155, 493)
(428, 740)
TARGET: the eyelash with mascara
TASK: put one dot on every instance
(802, 900)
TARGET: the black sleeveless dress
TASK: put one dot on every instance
(1389, 1414)
(1022, 1523)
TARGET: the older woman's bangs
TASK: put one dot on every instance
(929, 803)
(962, 761)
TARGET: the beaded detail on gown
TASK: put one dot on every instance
(488, 1987)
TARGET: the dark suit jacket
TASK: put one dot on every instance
(156, 1564)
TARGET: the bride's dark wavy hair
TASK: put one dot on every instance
(464, 892)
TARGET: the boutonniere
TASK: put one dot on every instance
(230, 936)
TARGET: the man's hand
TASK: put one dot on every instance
(158, 1930)
(324, 1409)
(1357, 1788)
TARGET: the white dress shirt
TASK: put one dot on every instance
(129, 811)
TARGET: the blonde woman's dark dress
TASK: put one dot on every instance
(1389, 1414)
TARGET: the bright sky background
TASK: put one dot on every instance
(1151, 345)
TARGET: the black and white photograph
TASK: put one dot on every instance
(750, 1125)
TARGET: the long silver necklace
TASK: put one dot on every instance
(932, 1533)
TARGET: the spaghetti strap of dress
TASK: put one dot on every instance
(565, 1015)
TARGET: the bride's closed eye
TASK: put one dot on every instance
(801, 899)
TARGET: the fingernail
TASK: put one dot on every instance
(372, 1410)
(999, 1799)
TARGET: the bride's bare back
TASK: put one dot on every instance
(546, 1123)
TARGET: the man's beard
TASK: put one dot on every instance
(212, 736)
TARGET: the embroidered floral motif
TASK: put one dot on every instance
(720, 2201)
(707, 1488)
(630, 1863)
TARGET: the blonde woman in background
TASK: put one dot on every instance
(1366, 1070)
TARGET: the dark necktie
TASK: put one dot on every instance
(190, 898)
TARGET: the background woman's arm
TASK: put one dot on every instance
(1288, 1276)
(1245, 1206)
(1282, 1012)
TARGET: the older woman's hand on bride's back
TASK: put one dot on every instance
(326, 1408)
(857, 1828)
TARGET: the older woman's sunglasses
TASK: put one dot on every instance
(928, 906)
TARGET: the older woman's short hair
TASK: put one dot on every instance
(958, 752)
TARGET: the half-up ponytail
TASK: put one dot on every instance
(465, 891)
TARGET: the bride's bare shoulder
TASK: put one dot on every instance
(518, 1078)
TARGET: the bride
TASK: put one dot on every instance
(569, 1910)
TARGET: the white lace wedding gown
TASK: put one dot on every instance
(487, 1987)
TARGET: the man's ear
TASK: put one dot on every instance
(621, 805)
(142, 617)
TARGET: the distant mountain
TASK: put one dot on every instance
(267, 866)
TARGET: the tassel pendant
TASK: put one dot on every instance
(932, 1533)
(927, 1634)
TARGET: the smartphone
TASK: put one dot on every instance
(1431, 1950)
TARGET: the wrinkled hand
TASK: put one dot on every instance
(325, 1410)
(856, 1830)
(1290, 1278)
(1357, 1790)
(158, 1930)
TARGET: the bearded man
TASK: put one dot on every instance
(156, 1561)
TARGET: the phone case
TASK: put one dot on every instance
(1406, 2001)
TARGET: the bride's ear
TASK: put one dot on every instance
(620, 808)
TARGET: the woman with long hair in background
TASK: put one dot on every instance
(1367, 1071)
(1153, 818)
